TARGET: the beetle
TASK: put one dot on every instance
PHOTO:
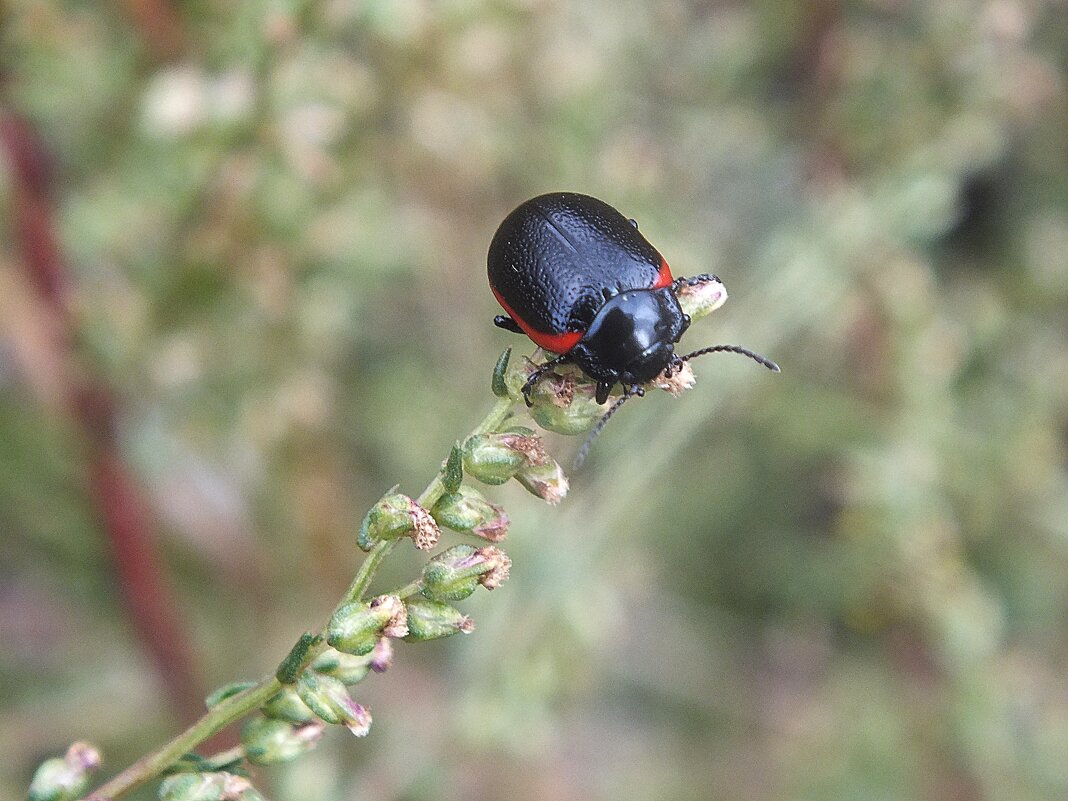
(578, 278)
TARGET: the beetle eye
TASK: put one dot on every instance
(634, 223)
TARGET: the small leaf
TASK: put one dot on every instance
(291, 666)
(499, 386)
(453, 474)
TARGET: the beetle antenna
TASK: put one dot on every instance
(580, 457)
(756, 357)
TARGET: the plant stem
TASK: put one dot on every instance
(408, 590)
(214, 720)
(238, 706)
(367, 571)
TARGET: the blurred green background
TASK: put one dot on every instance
(849, 581)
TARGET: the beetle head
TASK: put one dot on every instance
(632, 338)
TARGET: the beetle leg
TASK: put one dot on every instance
(603, 388)
(538, 372)
(507, 323)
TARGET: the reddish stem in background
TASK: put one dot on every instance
(122, 511)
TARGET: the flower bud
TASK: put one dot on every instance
(676, 380)
(346, 667)
(564, 401)
(547, 481)
(516, 373)
(701, 298)
(428, 620)
(330, 700)
(468, 512)
(494, 458)
(268, 741)
(356, 627)
(286, 705)
(216, 786)
(490, 460)
(66, 777)
(456, 573)
(397, 515)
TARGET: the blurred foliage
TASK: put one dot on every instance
(847, 581)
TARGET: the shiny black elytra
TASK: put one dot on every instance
(578, 278)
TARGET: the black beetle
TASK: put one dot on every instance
(578, 278)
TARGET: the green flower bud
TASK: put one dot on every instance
(66, 777)
(356, 627)
(547, 481)
(468, 512)
(428, 620)
(564, 401)
(701, 298)
(286, 705)
(268, 741)
(205, 787)
(330, 700)
(397, 515)
(348, 668)
(454, 574)
(494, 458)
(516, 373)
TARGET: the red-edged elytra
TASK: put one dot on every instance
(578, 278)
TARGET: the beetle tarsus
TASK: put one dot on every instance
(603, 388)
(537, 374)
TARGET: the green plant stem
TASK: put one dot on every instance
(214, 720)
(238, 706)
(367, 571)
(408, 590)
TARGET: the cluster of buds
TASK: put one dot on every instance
(518, 453)
(292, 721)
(366, 627)
(315, 691)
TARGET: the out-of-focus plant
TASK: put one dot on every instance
(289, 710)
